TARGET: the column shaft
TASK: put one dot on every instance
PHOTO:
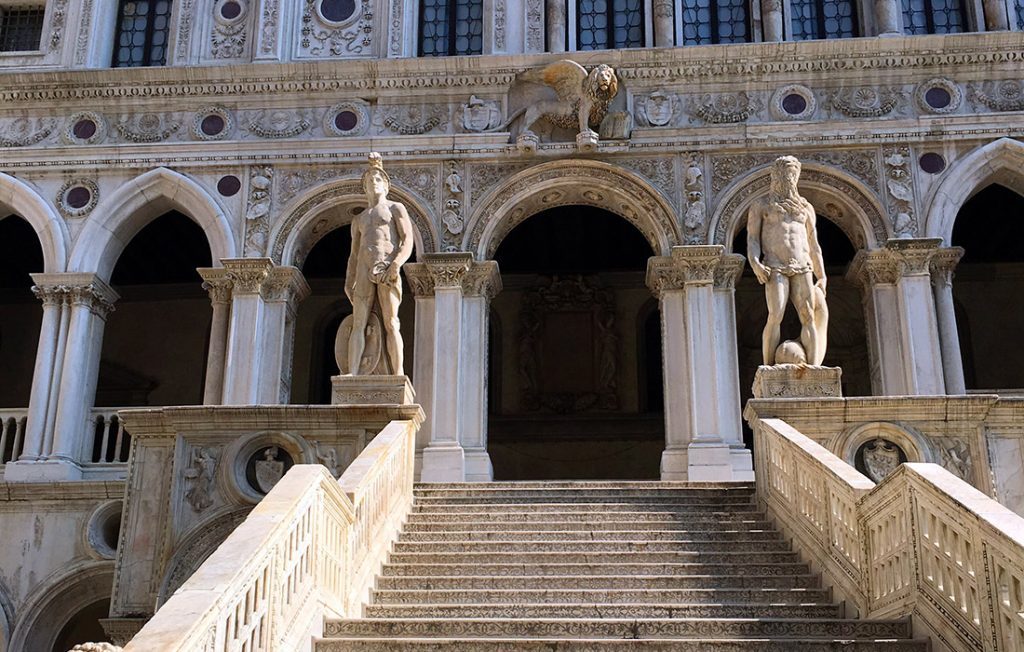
(216, 283)
(43, 386)
(556, 21)
(772, 23)
(949, 339)
(664, 24)
(888, 18)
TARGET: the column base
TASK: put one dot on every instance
(742, 463)
(443, 464)
(709, 462)
(797, 381)
(371, 390)
(674, 465)
(42, 471)
(478, 465)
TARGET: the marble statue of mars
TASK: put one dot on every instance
(382, 242)
(783, 250)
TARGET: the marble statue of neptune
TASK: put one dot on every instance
(381, 243)
(783, 250)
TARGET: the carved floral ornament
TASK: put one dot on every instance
(694, 265)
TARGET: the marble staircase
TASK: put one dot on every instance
(600, 566)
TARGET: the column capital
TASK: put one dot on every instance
(217, 283)
(942, 265)
(453, 270)
(873, 267)
(729, 270)
(247, 274)
(285, 284)
(689, 265)
(75, 288)
(913, 255)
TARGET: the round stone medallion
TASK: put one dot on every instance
(84, 129)
(229, 185)
(932, 163)
(337, 11)
(212, 125)
(346, 121)
(78, 197)
(230, 10)
(794, 104)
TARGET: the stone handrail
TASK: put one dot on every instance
(311, 548)
(921, 543)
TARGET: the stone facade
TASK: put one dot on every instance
(257, 129)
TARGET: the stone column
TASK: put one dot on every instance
(481, 285)
(888, 18)
(942, 266)
(556, 20)
(996, 16)
(244, 351)
(902, 323)
(728, 366)
(284, 288)
(218, 285)
(419, 280)
(772, 22)
(664, 24)
(42, 404)
(695, 354)
(444, 459)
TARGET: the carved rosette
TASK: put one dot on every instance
(942, 265)
(690, 266)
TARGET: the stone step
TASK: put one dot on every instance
(443, 525)
(592, 546)
(640, 497)
(696, 521)
(632, 596)
(752, 609)
(680, 536)
(588, 484)
(702, 511)
(617, 645)
(407, 555)
(621, 628)
(521, 569)
(597, 582)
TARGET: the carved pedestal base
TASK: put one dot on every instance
(797, 381)
(586, 141)
(42, 471)
(371, 390)
(527, 143)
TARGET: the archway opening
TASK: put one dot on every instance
(321, 313)
(847, 336)
(572, 353)
(987, 286)
(84, 626)
(156, 339)
(20, 255)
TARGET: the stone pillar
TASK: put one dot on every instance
(444, 459)
(257, 364)
(664, 24)
(555, 21)
(888, 18)
(899, 302)
(772, 22)
(482, 283)
(996, 16)
(942, 266)
(75, 309)
(418, 278)
(728, 365)
(695, 356)
(218, 285)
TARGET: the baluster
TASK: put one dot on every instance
(118, 440)
(100, 427)
(6, 428)
(19, 438)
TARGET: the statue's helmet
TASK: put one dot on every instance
(376, 167)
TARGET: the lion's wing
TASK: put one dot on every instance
(565, 76)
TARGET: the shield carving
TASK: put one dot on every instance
(269, 470)
(881, 458)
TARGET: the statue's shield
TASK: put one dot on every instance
(880, 459)
(373, 357)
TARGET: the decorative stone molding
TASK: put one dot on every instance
(322, 37)
(277, 123)
(860, 163)
(955, 96)
(24, 132)
(725, 108)
(268, 32)
(942, 265)
(199, 117)
(865, 101)
(688, 265)
(412, 119)
(64, 201)
(797, 381)
(99, 132)
(780, 109)
(1006, 95)
(145, 128)
(229, 36)
(247, 275)
(358, 108)
(187, 20)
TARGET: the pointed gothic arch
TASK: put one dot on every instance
(22, 200)
(854, 208)
(1001, 161)
(117, 219)
(565, 183)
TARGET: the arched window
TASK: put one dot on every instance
(142, 28)
(715, 21)
(933, 16)
(818, 19)
(607, 24)
(451, 27)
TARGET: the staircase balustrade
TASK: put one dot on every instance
(110, 442)
(12, 433)
(311, 548)
(923, 542)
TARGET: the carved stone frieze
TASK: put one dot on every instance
(480, 114)
(695, 212)
(1005, 95)
(421, 179)
(865, 101)
(861, 163)
(58, 22)
(395, 32)
(257, 209)
(412, 119)
(660, 171)
(899, 186)
(292, 181)
(351, 37)
(146, 127)
(956, 458)
(659, 109)
(452, 209)
(268, 31)
(276, 123)
(229, 36)
(725, 108)
(84, 33)
(23, 132)
(500, 16)
(187, 20)
(484, 177)
(535, 25)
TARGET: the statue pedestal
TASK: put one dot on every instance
(371, 390)
(797, 381)
(586, 141)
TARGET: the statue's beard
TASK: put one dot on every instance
(784, 193)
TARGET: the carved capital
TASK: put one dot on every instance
(285, 284)
(483, 280)
(217, 283)
(453, 270)
(729, 270)
(448, 270)
(942, 265)
(76, 289)
(687, 266)
(870, 268)
(419, 280)
(247, 274)
(913, 255)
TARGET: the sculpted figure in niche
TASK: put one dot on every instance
(783, 250)
(381, 243)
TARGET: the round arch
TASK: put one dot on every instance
(327, 206)
(565, 183)
(62, 595)
(850, 204)
(846, 443)
(116, 220)
(22, 200)
(1001, 161)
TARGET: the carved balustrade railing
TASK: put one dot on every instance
(110, 443)
(922, 543)
(310, 549)
(12, 433)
